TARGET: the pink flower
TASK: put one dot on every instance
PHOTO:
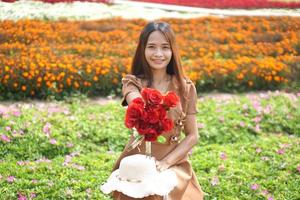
(245, 106)
(67, 160)
(8, 128)
(69, 144)
(214, 181)
(258, 150)
(263, 96)
(265, 158)
(79, 167)
(32, 195)
(283, 146)
(270, 198)
(41, 160)
(21, 196)
(254, 186)
(17, 113)
(46, 129)
(223, 156)
(280, 151)
(256, 105)
(4, 138)
(221, 119)
(34, 181)
(53, 141)
(264, 192)
(21, 163)
(54, 110)
(66, 111)
(200, 125)
(10, 179)
(298, 168)
(242, 124)
(257, 119)
(257, 128)
(268, 109)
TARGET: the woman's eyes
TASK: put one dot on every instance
(164, 47)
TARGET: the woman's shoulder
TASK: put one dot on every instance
(190, 86)
(188, 80)
(132, 79)
(129, 76)
(132, 76)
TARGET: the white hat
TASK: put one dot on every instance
(138, 177)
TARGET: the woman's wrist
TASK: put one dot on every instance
(167, 161)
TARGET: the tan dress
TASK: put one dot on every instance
(188, 187)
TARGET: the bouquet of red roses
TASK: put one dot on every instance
(148, 114)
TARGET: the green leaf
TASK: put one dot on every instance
(161, 139)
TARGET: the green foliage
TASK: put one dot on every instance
(244, 140)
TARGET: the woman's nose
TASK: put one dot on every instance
(158, 52)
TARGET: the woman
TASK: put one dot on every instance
(156, 64)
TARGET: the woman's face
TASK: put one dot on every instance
(158, 51)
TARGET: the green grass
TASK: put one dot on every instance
(258, 136)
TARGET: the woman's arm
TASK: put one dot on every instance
(191, 131)
(185, 145)
(132, 95)
(130, 89)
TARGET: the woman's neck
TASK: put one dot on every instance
(160, 77)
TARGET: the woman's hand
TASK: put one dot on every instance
(162, 165)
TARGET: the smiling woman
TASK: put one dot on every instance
(157, 65)
(158, 54)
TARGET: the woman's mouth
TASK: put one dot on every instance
(158, 61)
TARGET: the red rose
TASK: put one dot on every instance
(142, 127)
(153, 116)
(159, 129)
(151, 96)
(162, 112)
(133, 113)
(170, 100)
(167, 124)
(151, 137)
(138, 101)
(149, 113)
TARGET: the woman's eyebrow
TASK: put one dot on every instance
(153, 43)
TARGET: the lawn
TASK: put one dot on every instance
(249, 147)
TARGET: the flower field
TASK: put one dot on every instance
(249, 147)
(248, 4)
(55, 58)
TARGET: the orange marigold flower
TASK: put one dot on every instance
(95, 78)
(23, 88)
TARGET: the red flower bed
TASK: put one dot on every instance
(230, 3)
(66, 1)
(247, 4)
